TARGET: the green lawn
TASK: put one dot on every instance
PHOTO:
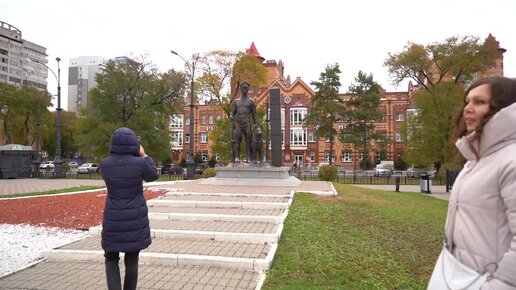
(360, 239)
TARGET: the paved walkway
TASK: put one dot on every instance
(25, 185)
(204, 237)
(438, 191)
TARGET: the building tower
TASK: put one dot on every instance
(82, 73)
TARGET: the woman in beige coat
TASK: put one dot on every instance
(482, 233)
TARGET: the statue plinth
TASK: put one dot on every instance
(252, 175)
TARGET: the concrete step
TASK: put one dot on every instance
(178, 251)
(252, 232)
(50, 275)
(165, 212)
(228, 197)
(222, 201)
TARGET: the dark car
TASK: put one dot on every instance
(200, 167)
(172, 169)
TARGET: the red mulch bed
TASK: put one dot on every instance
(69, 211)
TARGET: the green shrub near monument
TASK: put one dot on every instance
(328, 172)
(209, 172)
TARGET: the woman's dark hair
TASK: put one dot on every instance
(503, 94)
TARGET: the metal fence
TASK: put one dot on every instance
(358, 177)
(367, 178)
(98, 176)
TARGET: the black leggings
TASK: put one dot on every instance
(113, 271)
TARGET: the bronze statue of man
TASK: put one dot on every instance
(243, 111)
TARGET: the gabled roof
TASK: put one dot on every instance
(253, 51)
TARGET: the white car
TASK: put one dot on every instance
(88, 168)
(382, 170)
(73, 164)
(47, 165)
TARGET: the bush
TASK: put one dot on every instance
(212, 162)
(65, 166)
(209, 172)
(328, 172)
(182, 163)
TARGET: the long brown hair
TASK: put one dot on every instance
(503, 94)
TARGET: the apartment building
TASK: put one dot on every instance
(21, 60)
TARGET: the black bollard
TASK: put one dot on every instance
(398, 183)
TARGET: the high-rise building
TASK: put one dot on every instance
(20, 59)
(82, 73)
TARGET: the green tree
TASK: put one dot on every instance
(327, 106)
(429, 129)
(131, 94)
(18, 110)
(442, 70)
(69, 147)
(362, 114)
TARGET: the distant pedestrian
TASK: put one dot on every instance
(125, 227)
(480, 229)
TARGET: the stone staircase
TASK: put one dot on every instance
(211, 233)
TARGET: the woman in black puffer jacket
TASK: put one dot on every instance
(125, 227)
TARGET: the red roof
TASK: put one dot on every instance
(253, 51)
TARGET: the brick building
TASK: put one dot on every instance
(299, 143)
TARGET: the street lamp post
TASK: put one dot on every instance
(190, 163)
(58, 161)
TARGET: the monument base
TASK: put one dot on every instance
(252, 175)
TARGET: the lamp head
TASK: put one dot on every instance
(58, 59)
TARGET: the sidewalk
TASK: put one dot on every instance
(26, 185)
(438, 191)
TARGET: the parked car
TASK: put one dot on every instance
(172, 169)
(416, 172)
(47, 165)
(73, 164)
(88, 168)
(200, 167)
(382, 170)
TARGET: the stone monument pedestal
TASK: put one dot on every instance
(252, 175)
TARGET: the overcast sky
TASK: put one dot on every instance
(306, 35)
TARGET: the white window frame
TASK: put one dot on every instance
(399, 137)
(327, 157)
(400, 117)
(210, 120)
(176, 138)
(298, 137)
(204, 156)
(311, 137)
(176, 121)
(187, 138)
(203, 138)
(312, 156)
(347, 157)
(297, 116)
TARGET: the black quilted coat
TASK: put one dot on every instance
(125, 227)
